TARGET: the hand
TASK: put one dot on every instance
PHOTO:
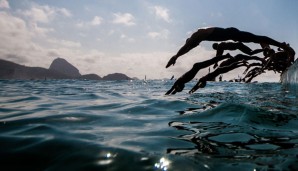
(286, 47)
(194, 89)
(200, 84)
(177, 87)
(172, 61)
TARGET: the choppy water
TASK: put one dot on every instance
(131, 125)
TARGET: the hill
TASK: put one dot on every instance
(62, 66)
(59, 69)
(10, 70)
(90, 77)
(116, 76)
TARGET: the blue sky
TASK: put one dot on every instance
(134, 37)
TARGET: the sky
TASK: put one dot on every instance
(134, 37)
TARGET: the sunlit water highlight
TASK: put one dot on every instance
(131, 125)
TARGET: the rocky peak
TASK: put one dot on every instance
(64, 67)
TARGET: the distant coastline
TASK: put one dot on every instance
(59, 69)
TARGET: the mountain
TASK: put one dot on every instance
(64, 67)
(116, 76)
(10, 70)
(90, 77)
(59, 69)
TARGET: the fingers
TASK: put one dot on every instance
(170, 91)
(177, 87)
(168, 65)
(200, 84)
(172, 61)
(194, 89)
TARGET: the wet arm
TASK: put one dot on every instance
(188, 76)
(183, 50)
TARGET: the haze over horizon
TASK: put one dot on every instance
(134, 37)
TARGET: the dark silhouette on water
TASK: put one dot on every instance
(220, 70)
(226, 66)
(277, 62)
(220, 78)
(240, 57)
(221, 47)
(224, 34)
(188, 76)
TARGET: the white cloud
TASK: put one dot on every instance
(39, 31)
(4, 4)
(13, 30)
(81, 24)
(159, 35)
(16, 40)
(123, 36)
(162, 13)
(45, 14)
(96, 21)
(24, 43)
(30, 45)
(42, 15)
(126, 19)
(65, 43)
(64, 12)
(128, 39)
(153, 35)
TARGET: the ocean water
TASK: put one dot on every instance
(131, 125)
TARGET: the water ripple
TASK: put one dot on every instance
(131, 125)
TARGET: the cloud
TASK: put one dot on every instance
(96, 21)
(64, 12)
(159, 35)
(44, 14)
(65, 43)
(13, 30)
(4, 4)
(41, 31)
(30, 45)
(125, 19)
(162, 13)
(16, 58)
(53, 53)
(16, 40)
(153, 35)
(128, 39)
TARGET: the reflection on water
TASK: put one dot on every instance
(129, 125)
(163, 164)
(106, 159)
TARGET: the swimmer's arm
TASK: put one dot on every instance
(220, 50)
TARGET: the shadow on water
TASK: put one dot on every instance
(230, 135)
(254, 129)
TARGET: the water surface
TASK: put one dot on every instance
(131, 125)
